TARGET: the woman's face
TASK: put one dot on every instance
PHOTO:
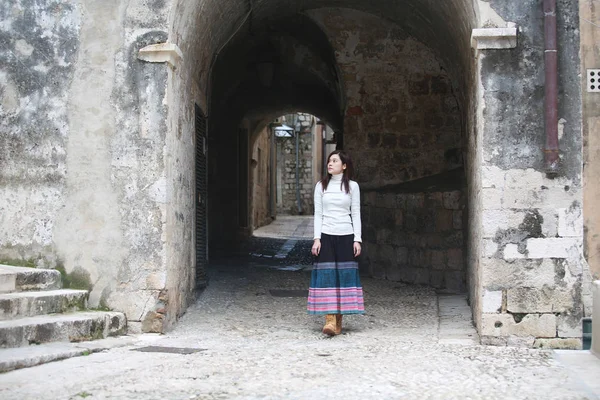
(335, 166)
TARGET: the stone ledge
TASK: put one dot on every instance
(558, 343)
(75, 327)
(494, 38)
(29, 304)
(24, 357)
(531, 326)
(19, 279)
(162, 52)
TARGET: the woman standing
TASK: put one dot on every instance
(335, 287)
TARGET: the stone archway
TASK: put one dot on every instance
(100, 144)
(479, 92)
(396, 80)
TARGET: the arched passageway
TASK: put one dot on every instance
(137, 123)
(127, 130)
(393, 79)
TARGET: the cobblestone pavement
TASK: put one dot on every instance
(255, 345)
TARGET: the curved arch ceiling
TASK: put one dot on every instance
(300, 72)
(224, 35)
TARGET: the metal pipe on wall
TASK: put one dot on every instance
(323, 150)
(551, 151)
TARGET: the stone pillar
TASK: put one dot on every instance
(531, 271)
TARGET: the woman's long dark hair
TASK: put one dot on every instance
(347, 174)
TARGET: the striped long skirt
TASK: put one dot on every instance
(335, 284)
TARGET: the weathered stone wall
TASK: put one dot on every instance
(402, 123)
(402, 120)
(180, 219)
(416, 237)
(532, 273)
(261, 184)
(474, 200)
(97, 147)
(40, 51)
(286, 164)
(84, 123)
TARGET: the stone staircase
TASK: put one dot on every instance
(34, 310)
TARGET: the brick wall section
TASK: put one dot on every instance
(415, 237)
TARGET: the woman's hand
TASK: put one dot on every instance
(357, 249)
(316, 248)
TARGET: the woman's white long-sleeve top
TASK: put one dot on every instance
(337, 212)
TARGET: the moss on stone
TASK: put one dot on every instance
(15, 262)
(100, 307)
(74, 303)
(78, 279)
(66, 282)
(97, 330)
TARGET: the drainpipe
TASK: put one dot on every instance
(551, 89)
(323, 151)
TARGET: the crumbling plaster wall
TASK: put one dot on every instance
(532, 275)
(40, 48)
(85, 182)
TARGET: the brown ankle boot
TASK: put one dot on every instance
(338, 323)
(330, 324)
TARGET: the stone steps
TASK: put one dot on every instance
(34, 309)
(19, 279)
(29, 304)
(75, 327)
(30, 356)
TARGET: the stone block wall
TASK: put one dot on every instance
(532, 272)
(416, 237)
(286, 165)
(534, 281)
(402, 124)
(402, 117)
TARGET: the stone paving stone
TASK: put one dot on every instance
(262, 347)
(288, 227)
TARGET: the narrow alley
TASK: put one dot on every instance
(248, 336)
